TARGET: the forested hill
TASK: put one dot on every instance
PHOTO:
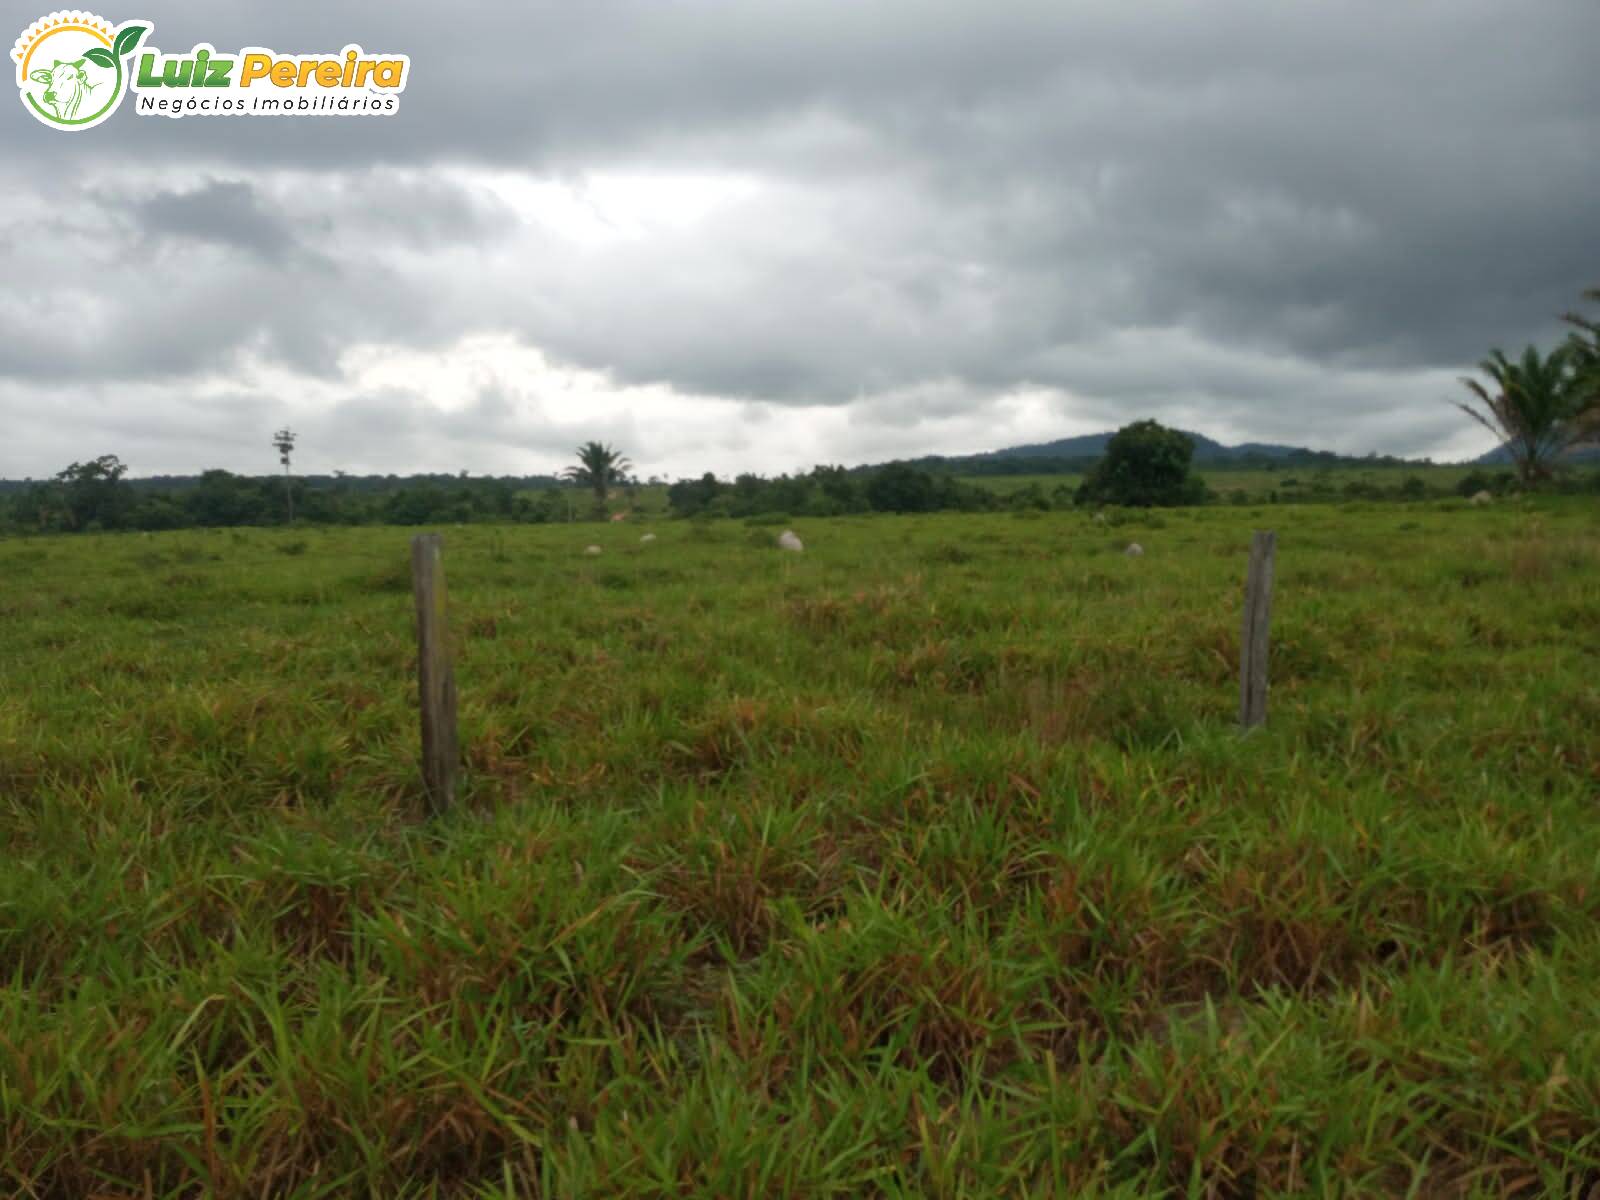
(1501, 457)
(1074, 454)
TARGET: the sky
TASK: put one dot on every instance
(735, 235)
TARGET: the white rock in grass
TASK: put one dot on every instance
(1099, 518)
(789, 541)
(649, 537)
(1134, 550)
(591, 549)
(1481, 499)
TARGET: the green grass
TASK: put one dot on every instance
(926, 863)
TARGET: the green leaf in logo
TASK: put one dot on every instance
(100, 56)
(128, 39)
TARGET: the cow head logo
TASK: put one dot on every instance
(71, 69)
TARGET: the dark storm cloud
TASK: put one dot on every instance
(1290, 221)
(145, 280)
(229, 214)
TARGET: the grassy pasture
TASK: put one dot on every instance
(925, 863)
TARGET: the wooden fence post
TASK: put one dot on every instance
(436, 681)
(1253, 641)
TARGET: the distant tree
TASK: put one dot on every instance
(546, 506)
(837, 490)
(93, 493)
(1535, 406)
(688, 497)
(598, 468)
(748, 490)
(1145, 465)
(283, 443)
(900, 487)
(222, 498)
(41, 506)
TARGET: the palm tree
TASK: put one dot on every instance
(1534, 408)
(598, 468)
(1584, 344)
(283, 443)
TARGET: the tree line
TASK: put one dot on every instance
(1145, 465)
(97, 495)
(1541, 406)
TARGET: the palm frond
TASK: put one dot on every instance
(1534, 408)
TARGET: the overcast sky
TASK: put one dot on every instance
(748, 235)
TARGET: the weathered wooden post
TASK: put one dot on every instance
(1257, 621)
(436, 681)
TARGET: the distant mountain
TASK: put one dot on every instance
(1206, 450)
(1088, 445)
(1074, 455)
(1501, 457)
(1093, 445)
(1063, 452)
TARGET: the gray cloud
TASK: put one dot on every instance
(228, 214)
(1268, 221)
